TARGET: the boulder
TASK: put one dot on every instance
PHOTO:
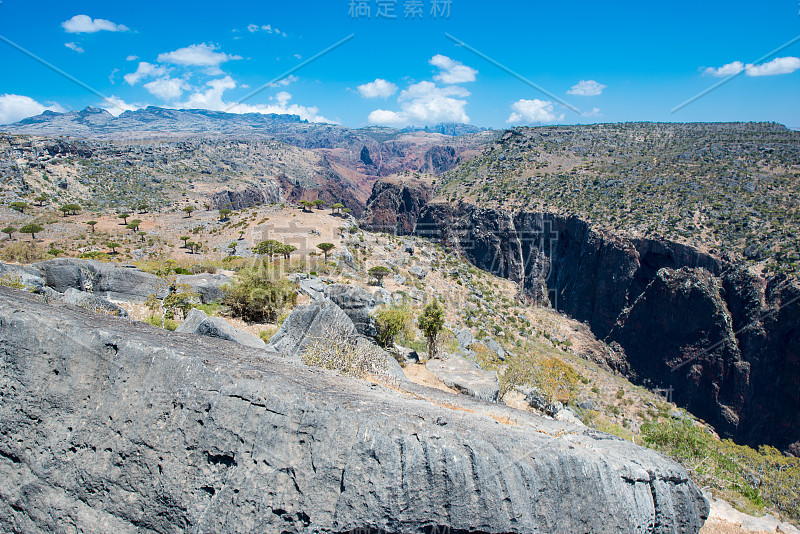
(418, 271)
(313, 287)
(103, 279)
(465, 339)
(28, 276)
(346, 256)
(209, 286)
(495, 347)
(466, 377)
(407, 354)
(197, 322)
(143, 430)
(358, 304)
(537, 400)
(91, 302)
(307, 324)
(568, 416)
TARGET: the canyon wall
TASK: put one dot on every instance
(725, 340)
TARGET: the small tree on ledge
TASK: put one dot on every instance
(379, 273)
(431, 322)
(325, 248)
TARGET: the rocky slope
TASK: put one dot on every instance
(724, 340)
(109, 425)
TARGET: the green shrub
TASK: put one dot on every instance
(752, 479)
(259, 293)
(393, 321)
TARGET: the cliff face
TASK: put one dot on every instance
(394, 206)
(112, 426)
(725, 341)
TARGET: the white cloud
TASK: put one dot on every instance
(726, 70)
(167, 88)
(198, 55)
(289, 80)
(254, 28)
(586, 88)
(131, 58)
(212, 99)
(425, 103)
(144, 70)
(298, 56)
(116, 106)
(779, 65)
(595, 112)
(75, 47)
(379, 88)
(85, 24)
(452, 71)
(533, 111)
(17, 107)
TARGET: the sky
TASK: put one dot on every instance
(408, 62)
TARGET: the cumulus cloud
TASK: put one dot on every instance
(117, 106)
(85, 24)
(131, 58)
(595, 112)
(426, 103)
(533, 111)
(17, 107)
(726, 70)
(144, 70)
(75, 47)
(167, 88)
(779, 65)
(212, 98)
(379, 88)
(586, 88)
(198, 55)
(452, 71)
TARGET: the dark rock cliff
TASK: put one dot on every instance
(725, 340)
(113, 426)
(394, 205)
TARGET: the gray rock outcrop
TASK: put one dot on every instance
(112, 426)
(466, 377)
(357, 303)
(208, 286)
(27, 276)
(197, 322)
(91, 302)
(103, 279)
(307, 324)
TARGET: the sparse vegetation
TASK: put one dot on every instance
(431, 322)
(393, 321)
(756, 480)
(345, 355)
(259, 293)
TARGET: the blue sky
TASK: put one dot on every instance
(631, 61)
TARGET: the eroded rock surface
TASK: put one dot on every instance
(113, 426)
